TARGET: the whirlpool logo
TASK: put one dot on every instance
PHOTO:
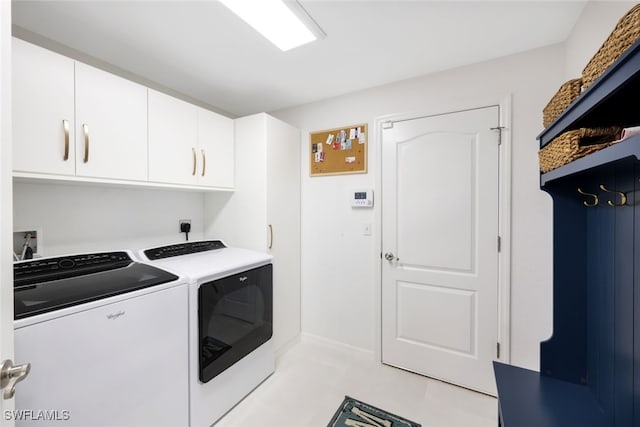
(114, 316)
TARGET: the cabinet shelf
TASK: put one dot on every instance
(612, 100)
(627, 148)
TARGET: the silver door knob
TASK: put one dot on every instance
(10, 375)
(389, 256)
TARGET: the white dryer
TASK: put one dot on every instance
(230, 322)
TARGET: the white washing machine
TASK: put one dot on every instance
(106, 340)
(230, 322)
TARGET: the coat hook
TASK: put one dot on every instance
(623, 197)
(595, 198)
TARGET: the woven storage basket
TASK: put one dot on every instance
(574, 144)
(626, 32)
(567, 93)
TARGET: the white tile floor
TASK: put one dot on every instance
(312, 378)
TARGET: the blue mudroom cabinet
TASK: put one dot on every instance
(590, 367)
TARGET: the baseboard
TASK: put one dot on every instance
(287, 346)
(307, 337)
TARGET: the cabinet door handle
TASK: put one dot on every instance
(204, 162)
(85, 130)
(65, 125)
(193, 172)
(270, 236)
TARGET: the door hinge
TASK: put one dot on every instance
(387, 125)
(499, 129)
(499, 244)
(498, 350)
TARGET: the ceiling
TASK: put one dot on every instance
(202, 50)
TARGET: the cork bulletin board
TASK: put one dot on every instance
(338, 151)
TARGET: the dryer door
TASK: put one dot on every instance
(235, 317)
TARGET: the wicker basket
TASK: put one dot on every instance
(567, 93)
(574, 144)
(626, 32)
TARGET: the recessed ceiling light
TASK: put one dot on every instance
(285, 25)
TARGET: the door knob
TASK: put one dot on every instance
(389, 256)
(10, 375)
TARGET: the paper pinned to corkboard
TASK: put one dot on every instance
(338, 151)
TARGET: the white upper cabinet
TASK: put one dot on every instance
(43, 111)
(75, 122)
(111, 126)
(215, 143)
(173, 140)
(189, 145)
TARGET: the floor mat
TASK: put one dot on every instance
(353, 413)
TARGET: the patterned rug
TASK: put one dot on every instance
(353, 413)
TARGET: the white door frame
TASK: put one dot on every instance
(6, 205)
(504, 224)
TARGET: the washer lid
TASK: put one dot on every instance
(50, 284)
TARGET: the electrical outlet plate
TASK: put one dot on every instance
(36, 241)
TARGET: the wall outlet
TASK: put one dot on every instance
(184, 221)
(29, 236)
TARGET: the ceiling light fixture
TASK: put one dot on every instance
(284, 23)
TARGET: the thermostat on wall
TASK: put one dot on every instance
(362, 199)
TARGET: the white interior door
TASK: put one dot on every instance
(440, 251)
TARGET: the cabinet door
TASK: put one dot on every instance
(43, 110)
(215, 150)
(283, 226)
(111, 126)
(173, 149)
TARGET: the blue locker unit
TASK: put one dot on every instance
(590, 367)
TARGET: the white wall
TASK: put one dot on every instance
(338, 262)
(595, 24)
(79, 218)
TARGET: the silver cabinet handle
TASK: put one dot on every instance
(193, 150)
(85, 130)
(65, 125)
(204, 162)
(11, 375)
(270, 236)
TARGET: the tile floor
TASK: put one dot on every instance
(312, 378)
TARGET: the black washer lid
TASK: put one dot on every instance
(45, 285)
(48, 269)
